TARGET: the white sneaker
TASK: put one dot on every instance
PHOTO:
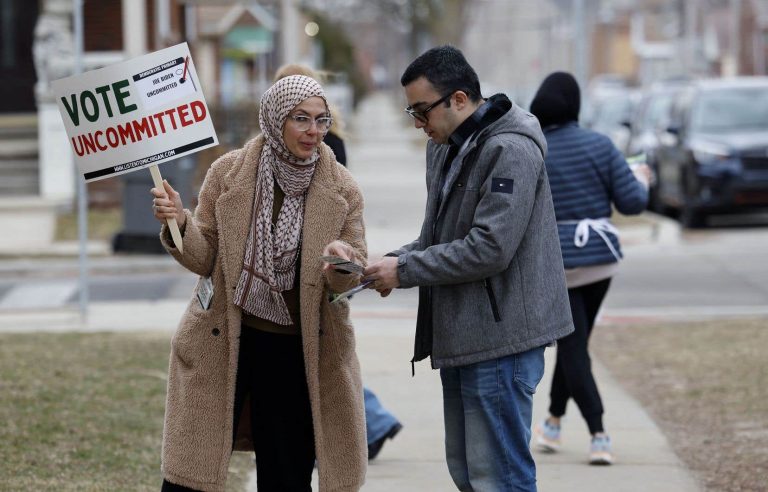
(600, 450)
(548, 437)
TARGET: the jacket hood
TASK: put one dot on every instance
(557, 101)
(513, 119)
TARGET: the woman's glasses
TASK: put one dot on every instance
(422, 115)
(303, 123)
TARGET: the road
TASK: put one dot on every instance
(719, 271)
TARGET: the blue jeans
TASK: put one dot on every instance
(377, 420)
(488, 408)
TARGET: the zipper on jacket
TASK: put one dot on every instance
(492, 299)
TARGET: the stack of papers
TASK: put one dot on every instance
(349, 267)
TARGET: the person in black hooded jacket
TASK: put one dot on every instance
(588, 176)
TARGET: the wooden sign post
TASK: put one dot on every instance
(136, 114)
(172, 224)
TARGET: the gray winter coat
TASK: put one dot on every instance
(488, 262)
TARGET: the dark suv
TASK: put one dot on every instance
(713, 157)
(649, 122)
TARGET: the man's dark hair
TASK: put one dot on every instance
(447, 70)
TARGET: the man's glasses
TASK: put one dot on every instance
(422, 115)
(303, 123)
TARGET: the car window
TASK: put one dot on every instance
(656, 113)
(730, 109)
(612, 111)
(680, 108)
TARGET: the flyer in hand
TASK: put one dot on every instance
(351, 291)
(345, 265)
(340, 263)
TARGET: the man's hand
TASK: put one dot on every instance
(384, 275)
(340, 249)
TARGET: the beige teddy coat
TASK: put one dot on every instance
(197, 437)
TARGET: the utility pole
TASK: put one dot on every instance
(736, 36)
(289, 37)
(690, 18)
(82, 189)
(580, 43)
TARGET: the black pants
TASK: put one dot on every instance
(573, 371)
(271, 371)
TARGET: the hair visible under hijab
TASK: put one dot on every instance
(557, 101)
(447, 70)
(271, 251)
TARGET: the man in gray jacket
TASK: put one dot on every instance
(487, 263)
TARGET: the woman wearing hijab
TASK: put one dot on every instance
(588, 176)
(269, 363)
(380, 423)
(334, 138)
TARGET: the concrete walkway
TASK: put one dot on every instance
(414, 460)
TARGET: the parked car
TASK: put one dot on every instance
(650, 120)
(713, 157)
(609, 112)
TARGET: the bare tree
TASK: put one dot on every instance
(425, 22)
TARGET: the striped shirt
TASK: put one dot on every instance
(588, 174)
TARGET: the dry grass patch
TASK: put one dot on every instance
(84, 412)
(706, 385)
(102, 224)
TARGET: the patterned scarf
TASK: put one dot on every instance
(272, 249)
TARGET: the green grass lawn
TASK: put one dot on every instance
(85, 412)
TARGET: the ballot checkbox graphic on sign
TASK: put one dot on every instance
(165, 83)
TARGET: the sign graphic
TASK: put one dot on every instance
(135, 114)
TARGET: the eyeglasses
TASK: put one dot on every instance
(303, 123)
(422, 115)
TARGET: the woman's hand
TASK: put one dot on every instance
(167, 205)
(643, 173)
(340, 249)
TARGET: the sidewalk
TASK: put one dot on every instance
(414, 460)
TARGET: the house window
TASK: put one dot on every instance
(7, 34)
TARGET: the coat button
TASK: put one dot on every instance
(459, 185)
(215, 332)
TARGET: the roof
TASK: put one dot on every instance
(219, 20)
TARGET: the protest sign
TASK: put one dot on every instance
(135, 114)
(130, 115)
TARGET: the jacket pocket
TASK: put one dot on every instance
(337, 337)
(492, 300)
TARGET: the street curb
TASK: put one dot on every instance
(113, 264)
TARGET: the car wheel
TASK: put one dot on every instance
(654, 200)
(691, 217)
